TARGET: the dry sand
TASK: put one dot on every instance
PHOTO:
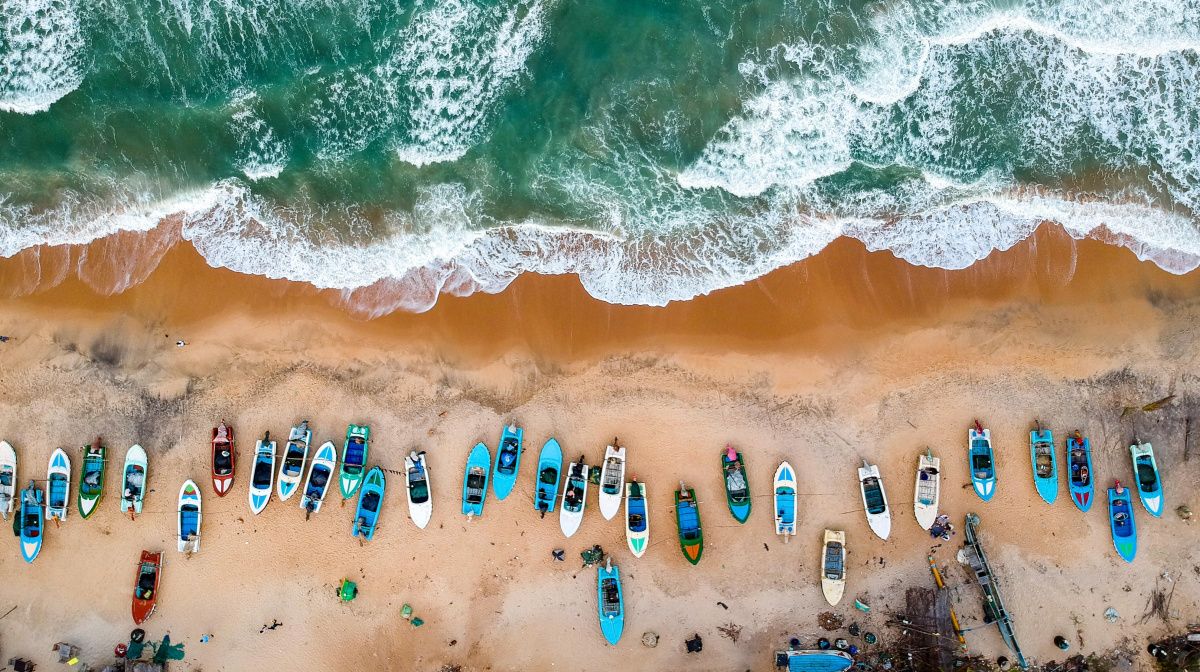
(848, 356)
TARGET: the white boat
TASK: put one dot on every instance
(8, 479)
(833, 566)
(570, 513)
(133, 480)
(320, 472)
(262, 476)
(187, 535)
(928, 489)
(420, 502)
(785, 501)
(612, 481)
(58, 485)
(637, 518)
(291, 467)
(879, 516)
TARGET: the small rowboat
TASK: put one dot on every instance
(687, 517)
(1045, 465)
(1121, 522)
(8, 479)
(91, 478)
(833, 566)
(224, 459)
(188, 529)
(879, 516)
(737, 486)
(370, 503)
(295, 454)
(1079, 471)
(785, 501)
(637, 518)
(32, 520)
(475, 481)
(610, 601)
(320, 473)
(574, 497)
(145, 586)
(927, 493)
(262, 477)
(549, 471)
(612, 481)
(1145, 474)
(416, 480)
(982, 460)
(354, 459)
(58, 485)
(133, 480)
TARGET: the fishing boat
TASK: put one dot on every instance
(612, 481)
(187, 536)
(687, 518)
(33, 522)
(58, 485)
(611, 602)
(1145, 474)
(354, 459)
(145, 586)
(574, 497)
(91, 478)
(982, 460)
(1121, 522)
(813, 660)
(370, 503)
(1079, 471)
(1045, 465)
(737, 486)
(224, 459)
(879, 516)
(637, 518)
(320, 473)
(8, 478)
(928, 489)
(785, 501)
(549, 472)
(262, 477)
(833, 566)
(508, 461)
(295, 454)
(416, 481)
(475, 481)
(133, 480)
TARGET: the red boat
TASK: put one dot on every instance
(224, 459)
(145, 586)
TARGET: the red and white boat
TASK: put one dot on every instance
(224, 459)
(145, 586)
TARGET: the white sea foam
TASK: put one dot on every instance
(262, 153)
(40, 43)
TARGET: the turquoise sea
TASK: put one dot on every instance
(659, 149)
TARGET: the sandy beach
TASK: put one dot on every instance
(847, 356)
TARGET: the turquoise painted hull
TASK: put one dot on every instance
(370, 504)
(32, 522)
(508, 462)
(475, 485)
(1081, 480)
(550, 460)
(1122, 524)
(612, 624)
(1045, 481)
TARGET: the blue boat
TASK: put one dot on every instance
(737, 487)
(1120, 521)
(548, 475)
(475, 480)
(813, 660)
(982, 460)
(1079, 471)
(1045, 466)
(33, 521)
(1145, 474)
(508, 461)
(610, 602)
(370, 502)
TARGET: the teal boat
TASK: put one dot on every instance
(611, 602)
(370, 503)
(1121, 522)
(32, 521)
(982, 461)
(548, 475)
(1079, 471)
(508, 461)
(354, 459)
(814, 660)
(1045, 464)
(737, 486)
(1145, 475)
(475, 481)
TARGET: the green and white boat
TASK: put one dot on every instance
(91, 478)
(354, 459)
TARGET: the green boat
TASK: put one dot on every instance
(91, 478)
(354, 459)
(687, 516)
(737, 487)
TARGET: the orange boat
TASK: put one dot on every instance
(224, 459)
(145, 586)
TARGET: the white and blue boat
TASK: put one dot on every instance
(1079, 471)
(33, 521)
(1121, 522)
(1045, 464)
(1145, 474)
(982, 461)
(611, 602)
(570, 515)
(549, 473)
(370, 503)
(416, 477)
(295, 454)
(475, 481)
(262, 476)
(58, 485)
(187, 531)
(320, 473)
(508, 461)
(637, 518)
(785, 501)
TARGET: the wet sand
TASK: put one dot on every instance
(847, 356)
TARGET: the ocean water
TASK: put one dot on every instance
(658, 149)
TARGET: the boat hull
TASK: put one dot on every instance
(264, 463)
(1147, 479)
(1123, 529)
(785, 501)
(927, 492)
(612, 624)
(143, 603)
(569, 520)
(93, 463)
(187, 528)
(691, 531)
(480, 460)
(739, 503)
(370, 504)
(879, 519)
(833, 562)
(32, 521)
(299, 441)
(816, 661)
(1080, 477)
(504, 476)
(323, 466)
(981, 460)
(418, 511)
(58, 485)
(134, 477)
(8, 471)
(222, 481)
(545, 497)
(1045, 464)
(354, 462)
(612, 482)
(638, 539)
